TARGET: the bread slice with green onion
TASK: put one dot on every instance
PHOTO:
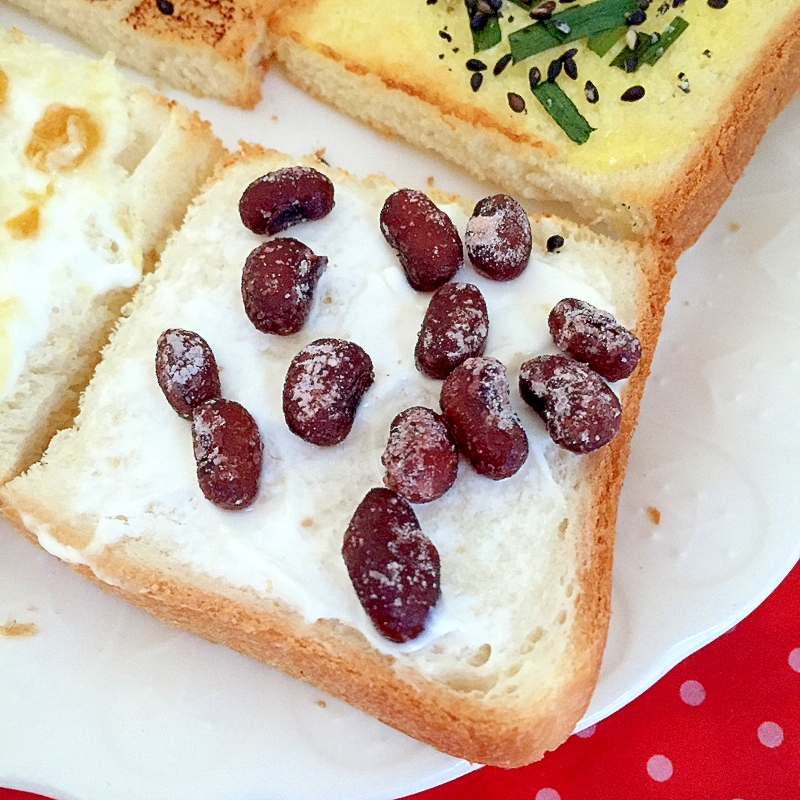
(647, 140)
(510, 653)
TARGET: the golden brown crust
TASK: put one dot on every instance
(694, 196)
(338, 659)
(216, 48)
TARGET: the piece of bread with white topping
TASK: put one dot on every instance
(510, 652)
(95, 174)
(211, 48)
(660, 147)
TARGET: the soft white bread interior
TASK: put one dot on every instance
(656, 168)
(214, 49)
(511, 652)
(96, 173)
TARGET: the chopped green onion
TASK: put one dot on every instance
(531, 40)
(671, 33)
(601, 43)
(648, 51)
(563, 111)
(580, 21)
(488, 36)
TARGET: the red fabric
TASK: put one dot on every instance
(722, 725)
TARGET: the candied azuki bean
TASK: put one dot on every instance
(323, 388)
(476, 403)
(454, 329)
(393, 566)
(278, 283)
(498, 238)
(186, 370)
(580, 411)
(280, 199)
(588, 334)
(421, 459)
(228, 451)
(425, 238)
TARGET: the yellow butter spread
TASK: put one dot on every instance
(422, 49)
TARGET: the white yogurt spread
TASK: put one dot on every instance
(288, 543)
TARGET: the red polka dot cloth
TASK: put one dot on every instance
(722, 725)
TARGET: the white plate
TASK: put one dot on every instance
(105, 703)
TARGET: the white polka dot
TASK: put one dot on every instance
(692, 693)
(587, 732)
(547, 794)
(794, 659)
(659, 768)
(770, 734)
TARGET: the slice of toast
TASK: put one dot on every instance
(96, 173)
(213, 48)
(657, 167)
(511, 652)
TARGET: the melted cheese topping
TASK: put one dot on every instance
(64, 226)
(404, 49)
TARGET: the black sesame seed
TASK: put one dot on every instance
(446, 36)
(678, 3)
(475, 65)
(554, 70)
(590, 90)
(441, 55)
(476, 80)
(455, 49)
(717, 3)
(571, 53)
(631, 62)
(554, 243)
(502, 63)
(637, 18)
(632, 94)
(478, 22)
(431, 2)
(165, 7)
(516, 102)
(571, 68)
(511, 18)
(544, 11)
(707, 53)
(534, 77)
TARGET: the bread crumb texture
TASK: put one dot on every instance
(14, 629)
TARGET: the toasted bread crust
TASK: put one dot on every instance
(337, 658)
(215, 48)
(670, 211)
